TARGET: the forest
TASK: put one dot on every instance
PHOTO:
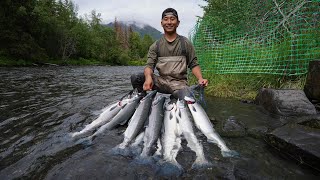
(47, 31)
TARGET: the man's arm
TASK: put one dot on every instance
(148, 83)
(196, 71)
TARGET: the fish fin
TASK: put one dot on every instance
(113, 107)
(171, 116)
(193, 108)
(124, 106)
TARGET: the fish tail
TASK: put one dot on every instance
(230, 153)
(169, 168)
(135, 150)
(85, 141)
(200, 163)
(144, 160)
(120, 150)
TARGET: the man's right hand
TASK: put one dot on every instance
(148, 84)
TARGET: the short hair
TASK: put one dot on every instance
(170, 10)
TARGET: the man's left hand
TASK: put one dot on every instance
(203, 82)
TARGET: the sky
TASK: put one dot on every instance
(144, 11)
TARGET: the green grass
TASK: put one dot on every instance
(246, 86)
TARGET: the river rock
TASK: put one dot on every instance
(285, 102)
(297, 141)
(310, 121)
(258, 132)
(312, 86)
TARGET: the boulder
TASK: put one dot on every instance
(312, 86)
(299, 142)
(285, 102)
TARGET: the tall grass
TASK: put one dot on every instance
(246, 86)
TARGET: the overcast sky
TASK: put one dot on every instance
(144, 11)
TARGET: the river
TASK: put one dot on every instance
(40, 106)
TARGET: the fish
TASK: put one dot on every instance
(152, 131)
(203, 123)
(171, 142)
(135, 148)
(137, 121)
(187, 130)
(108, 113)
(121, 118)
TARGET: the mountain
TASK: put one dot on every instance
(142, 29)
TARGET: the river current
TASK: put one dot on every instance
(40, 106)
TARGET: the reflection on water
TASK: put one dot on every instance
(40, 106)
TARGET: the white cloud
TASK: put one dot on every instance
(144, 11)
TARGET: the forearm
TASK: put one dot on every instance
(148, 72)
(196, 71)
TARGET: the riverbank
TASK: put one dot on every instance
(9, 62)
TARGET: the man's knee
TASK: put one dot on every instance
(137, 78)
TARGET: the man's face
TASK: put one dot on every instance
(169, 23)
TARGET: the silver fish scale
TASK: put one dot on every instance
(152, 132)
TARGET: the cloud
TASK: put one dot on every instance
(144, 11)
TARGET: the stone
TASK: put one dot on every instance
(312, 86)
(285, 102)
(231, 127)
(299, 142)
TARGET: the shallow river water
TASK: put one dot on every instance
(40, 106)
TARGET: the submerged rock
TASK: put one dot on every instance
(285, 102)
(231, 127)
(258, 132)
(299, 142)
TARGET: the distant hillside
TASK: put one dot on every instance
(142, 29)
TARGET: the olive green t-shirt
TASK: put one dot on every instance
(167, 48)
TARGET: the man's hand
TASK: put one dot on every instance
(203, 82)
(148, 84)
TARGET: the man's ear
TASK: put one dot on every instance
(178, 23)
(161, 24)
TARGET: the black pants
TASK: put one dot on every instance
(137, 81)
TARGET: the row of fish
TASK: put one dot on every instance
(156, 125)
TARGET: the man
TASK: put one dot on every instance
(171, 55)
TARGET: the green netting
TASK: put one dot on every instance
(279, 40)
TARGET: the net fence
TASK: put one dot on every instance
(281, 37)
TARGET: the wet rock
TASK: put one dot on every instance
(231, 127)
(310, 121)
(285, 102)
(258, 132)
(299, 142)
(312, 86)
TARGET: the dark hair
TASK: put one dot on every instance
(170, 10)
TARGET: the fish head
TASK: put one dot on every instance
(181, 104)
(150, 95)
(168, 106)
(123, 102)
(189, 100)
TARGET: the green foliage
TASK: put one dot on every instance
(38, 31)
(243, 45)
